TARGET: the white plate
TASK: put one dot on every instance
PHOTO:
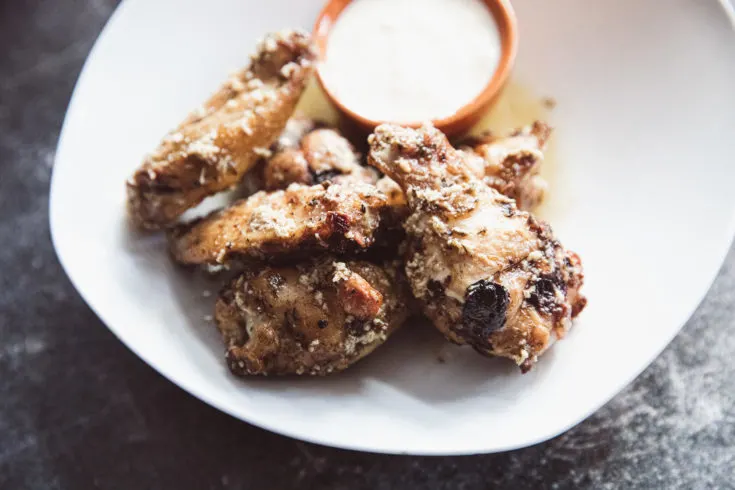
(643, 191)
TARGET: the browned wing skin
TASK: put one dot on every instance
(511, 164)
(487, 274)
(314, 318)
(322, 154)
(216, 146)
(294, 222)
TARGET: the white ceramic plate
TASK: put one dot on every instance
(643, 191)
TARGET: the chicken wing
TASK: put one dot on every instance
(313, 318)
(214, 147)
(487, 274)
(511, 164)
(322, 154)
(293, 222)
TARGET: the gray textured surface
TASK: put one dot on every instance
(78, 410)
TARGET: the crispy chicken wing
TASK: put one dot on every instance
(487, 274)
(511, 164)
(293, 222)
(313, 318)
(322, 154)
(214, 147)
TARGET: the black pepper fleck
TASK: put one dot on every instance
(326, 175)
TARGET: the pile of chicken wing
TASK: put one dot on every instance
(332, 252)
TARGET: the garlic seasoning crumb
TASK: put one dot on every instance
(341, 272)
(262, 152)
(236, 84)
(255, 83)
(288, 70)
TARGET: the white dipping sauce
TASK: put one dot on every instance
(411, 60)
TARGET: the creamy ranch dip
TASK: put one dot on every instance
(411, 60)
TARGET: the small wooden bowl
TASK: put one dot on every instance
(466, 116)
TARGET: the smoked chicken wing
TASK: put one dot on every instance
(294, 222)
(486, 273)
(314, 318)
(214, 147)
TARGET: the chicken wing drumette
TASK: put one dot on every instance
(214, 147)
(487, 274)
(294, 222)
(322, 154)
(314, 318)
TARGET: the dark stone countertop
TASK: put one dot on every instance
(78, 410)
